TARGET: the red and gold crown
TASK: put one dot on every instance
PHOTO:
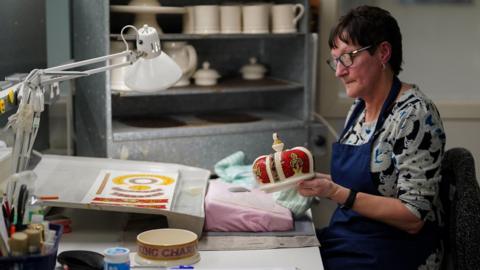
(283, 166)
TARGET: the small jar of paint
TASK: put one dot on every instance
(116, 258)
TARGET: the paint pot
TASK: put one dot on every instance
(116, 258)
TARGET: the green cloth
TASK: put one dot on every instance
(290, 199)
(232, 169)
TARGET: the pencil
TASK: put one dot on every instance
(48, 197)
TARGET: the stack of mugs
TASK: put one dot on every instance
(259, 18)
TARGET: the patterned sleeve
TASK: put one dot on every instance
(418, 150)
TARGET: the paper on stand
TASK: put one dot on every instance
(133, 188)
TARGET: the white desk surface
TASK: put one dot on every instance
(307, 258)
(97, 232)
(98, 239)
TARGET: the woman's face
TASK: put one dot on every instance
(359, 78)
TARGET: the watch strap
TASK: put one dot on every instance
(348, 204)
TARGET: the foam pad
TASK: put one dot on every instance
(244, 211)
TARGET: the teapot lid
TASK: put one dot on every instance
(205, 72)
(253, 67)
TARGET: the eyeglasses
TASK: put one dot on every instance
(346, 59)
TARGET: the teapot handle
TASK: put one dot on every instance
(192, 60)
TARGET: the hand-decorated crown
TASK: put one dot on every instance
(286, 167)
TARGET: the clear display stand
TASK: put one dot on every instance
(70, 178)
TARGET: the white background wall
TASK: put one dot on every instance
(442, 55)
(441, 47)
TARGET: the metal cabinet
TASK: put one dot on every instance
(195, 125)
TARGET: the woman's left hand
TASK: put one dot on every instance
(321, 186)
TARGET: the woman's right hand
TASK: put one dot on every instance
(385, 209)
(321, 186)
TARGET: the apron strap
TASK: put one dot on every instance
(387, 106)
(356, 112)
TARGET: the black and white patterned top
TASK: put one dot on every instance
(406, 156)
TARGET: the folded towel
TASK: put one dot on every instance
(290, 199)
(232, 169)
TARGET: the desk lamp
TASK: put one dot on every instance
(149, 70)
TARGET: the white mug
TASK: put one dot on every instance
(285, 17)
(206, 19)
(188, 21)
(231, 19)
(256, 18)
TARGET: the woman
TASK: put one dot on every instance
(385, 167)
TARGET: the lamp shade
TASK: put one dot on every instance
(154, 74)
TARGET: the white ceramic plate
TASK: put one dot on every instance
(147, 9)
(269, 188)
(170, 263)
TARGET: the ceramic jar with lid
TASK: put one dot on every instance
(206, 76)
(253, 70)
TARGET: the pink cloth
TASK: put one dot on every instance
(253, 211)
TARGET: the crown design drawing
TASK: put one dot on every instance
(284, 167)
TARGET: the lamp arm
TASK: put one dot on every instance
(89, 61)
(60, 73)
(31, 94)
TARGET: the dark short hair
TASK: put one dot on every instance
(367, 25)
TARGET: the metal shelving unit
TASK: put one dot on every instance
(169, 37)
(235, 85)
(187, 124)
(109, 123)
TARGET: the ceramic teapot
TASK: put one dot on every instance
(185, 56)
(284, 168)
(142, 18)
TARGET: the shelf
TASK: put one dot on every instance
(235, 85)
(175, 132)
(195, 126)
(147, 9)
(164, 37)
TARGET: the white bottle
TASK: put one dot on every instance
(49, 243)
(116, 258)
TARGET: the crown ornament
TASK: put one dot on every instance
(283, 168)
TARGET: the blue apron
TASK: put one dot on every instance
(355, 242)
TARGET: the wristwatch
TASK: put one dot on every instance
(348, 204)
